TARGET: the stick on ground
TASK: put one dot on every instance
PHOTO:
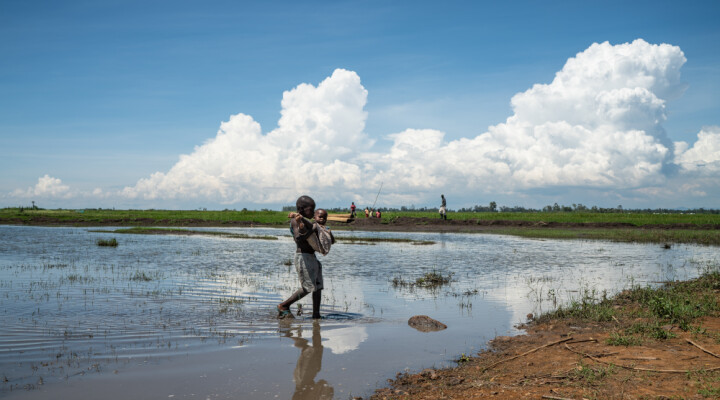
(671, 371)
(527, 352)
(702, 348)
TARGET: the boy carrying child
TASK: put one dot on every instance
(308, 238)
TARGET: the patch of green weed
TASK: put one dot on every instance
(617, 339)
(107, 242)
(592, 375)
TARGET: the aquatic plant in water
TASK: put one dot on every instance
(107, 242)
(430, 280)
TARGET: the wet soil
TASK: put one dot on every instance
(399, 224)
(570, 359)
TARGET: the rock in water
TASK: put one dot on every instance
(423, 323)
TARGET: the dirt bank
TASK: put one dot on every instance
(399, 224)
(407, 224)
(631, 356)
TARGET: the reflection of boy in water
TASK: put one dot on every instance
(308, 365)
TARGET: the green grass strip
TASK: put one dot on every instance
(354, 239)
(705, 237)
(177, 231)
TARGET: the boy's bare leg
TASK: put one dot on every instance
(285, 305)
(316, 297)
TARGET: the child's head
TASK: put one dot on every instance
(305, 206)
(321, 216)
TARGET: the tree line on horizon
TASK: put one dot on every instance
(493, 207)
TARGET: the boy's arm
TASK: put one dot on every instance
(302, 227)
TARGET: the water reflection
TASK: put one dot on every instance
(343, 340)
(308, 365)
(69, 307)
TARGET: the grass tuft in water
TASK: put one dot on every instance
(462, 359)
(141, 276)
(432, 279)
(107, 242)
(588, 307)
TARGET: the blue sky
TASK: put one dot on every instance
(98, 97)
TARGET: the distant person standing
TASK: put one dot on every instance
(352, 210)
(443, 208)
(367, 213)
(378, 214)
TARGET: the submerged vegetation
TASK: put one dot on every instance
(429, 280)
(373, 240)
(107, 242)
(665, 236)
(176, 231)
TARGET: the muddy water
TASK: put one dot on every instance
(193, 316)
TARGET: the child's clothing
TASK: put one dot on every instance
(322, 240)
(308, 268)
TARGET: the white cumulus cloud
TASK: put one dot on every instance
(596, 126)
(47, 186)
(310, 150)
(704, 156)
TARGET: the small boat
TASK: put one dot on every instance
(340, 218)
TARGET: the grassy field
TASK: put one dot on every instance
(170, 217)
(638, 219)
(638, 227)
(128, 217)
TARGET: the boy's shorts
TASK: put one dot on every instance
(309, 271)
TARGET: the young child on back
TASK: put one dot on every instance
(323, 238)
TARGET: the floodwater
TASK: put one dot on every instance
(194, 316)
